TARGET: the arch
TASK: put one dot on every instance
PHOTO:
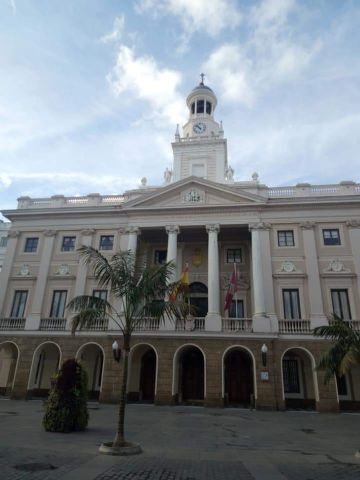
(93, 362)
(198, 287)
(45, 362)
(9, 361)
(228, 351)
(177, 383)
(300, 363)
(143, 373)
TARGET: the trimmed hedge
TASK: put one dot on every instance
(66, 407)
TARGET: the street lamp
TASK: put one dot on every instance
(264, 350)
(116, 351)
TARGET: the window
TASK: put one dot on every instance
(160, 257)
(68, 244)
(233, 255)
(291, 375)
(31, 244)
(291, 304)
(208, 108)
(200, 106)
(340, 303)
(100, 294)
(193, 108)
(106, 242)
(236, 309)
(19, 303)
(3, 242)
(331, 236)
(342, 387)
(285, 238)
(58, 304)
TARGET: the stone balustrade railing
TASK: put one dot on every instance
(12, 323)
(355, 324)
(148, 324)
(236, 325)
(60, 201)
(99, 325)
(194, 324)
(294, 326)
(52, 324)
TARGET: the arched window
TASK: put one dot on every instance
(193, 108)
(208, 108)
(198, 287)
(200, 106)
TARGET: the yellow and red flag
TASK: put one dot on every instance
(183, 282)
(232, 289)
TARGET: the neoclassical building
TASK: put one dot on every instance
(296, 251)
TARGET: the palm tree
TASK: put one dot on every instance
(142, 291)
(344, 351)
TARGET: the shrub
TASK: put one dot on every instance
(66, 408)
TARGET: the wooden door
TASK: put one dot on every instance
(192, 373)
(239, 381)
(147, 376)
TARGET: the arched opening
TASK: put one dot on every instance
(348, 390)
(9, 356)
(190, 376)
(238, 378)
(46, 362)
(91, 357)
(198, 294)
(299, 380)
(142, 374)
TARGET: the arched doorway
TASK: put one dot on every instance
(46, 362)
(142, 374)
(9, 356)
(91, 357)
(191, 376)
(238, 378)
(198, 294)
(299, 380)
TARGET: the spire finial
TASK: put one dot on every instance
(202, 75)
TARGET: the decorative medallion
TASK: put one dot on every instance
(24, 270)
(197, 258)
(63, 270)
(336, 266)
(193, 196)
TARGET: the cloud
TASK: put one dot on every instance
(13, 6)
(272, 54)
(117, 31)
(211, 17)
(142, 78)
(5, 181)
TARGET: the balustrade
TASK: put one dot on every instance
(294, 326)
(12, 323)
(52, 324)
(237, 325)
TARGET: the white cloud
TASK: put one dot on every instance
(211, 17)
(13, 6)
(117, 31)
(271, 54)
(5, 181)
(145, 80)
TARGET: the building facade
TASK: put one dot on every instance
(295, 251)
(4, 227)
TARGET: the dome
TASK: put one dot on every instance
(201, 86)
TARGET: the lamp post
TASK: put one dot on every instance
(116, 351)
(264, 350)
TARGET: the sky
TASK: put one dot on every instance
(91, 90)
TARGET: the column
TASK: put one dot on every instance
(172, 231)
(316, 307)
(354, 234)
(13, 236)
(213, 317)
(33, 321)
(132, 233)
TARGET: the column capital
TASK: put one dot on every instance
(88, 231)
(172, 229)
(13, 234)
(307, 225)
(50, 233)
(353, 223)
(259, 226)
(132, 229)
(213, 228)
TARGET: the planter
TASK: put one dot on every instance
(128, 449)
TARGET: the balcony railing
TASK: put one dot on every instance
(12, 323)
(195, 324)
(147, 324)
(237, 325)
(52, 324)
(355, 324)
(294, 326)
(99, 325)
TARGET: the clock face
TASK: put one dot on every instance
(199, 127)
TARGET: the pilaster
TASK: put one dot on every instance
(5, 273)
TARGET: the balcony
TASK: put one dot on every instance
(147, 324)
(355, 324)
(99, 325)
(52, 324)
(294, 326)
(195, 324)
(237, 325)
(12, 323)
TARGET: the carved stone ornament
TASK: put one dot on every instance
(260, 226)
(24, 270)
(193, 196)
(13, 233)
(87, 232)
(131, 229)
(197, 257)
(307, 225)
(353, 223)
(50, 233)
(172, 229)
(63, 270)
(336, 266)
(288, 267)
(213, 228)
(189, 323)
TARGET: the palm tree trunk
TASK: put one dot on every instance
(120, 438)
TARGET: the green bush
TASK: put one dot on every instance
(66, 408)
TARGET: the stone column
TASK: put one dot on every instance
(172, 232)
(132, 233)
(354, 234)
(33, 321)
(316, 307)
(5, 273)
(213, 317)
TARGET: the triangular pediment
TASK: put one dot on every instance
(194, 192)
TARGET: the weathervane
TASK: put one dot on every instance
(202, 75)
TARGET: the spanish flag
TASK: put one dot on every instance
(182, 284)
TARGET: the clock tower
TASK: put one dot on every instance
(201, 150)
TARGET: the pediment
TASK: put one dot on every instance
(194, 192)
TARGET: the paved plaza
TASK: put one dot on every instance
(182, 443)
